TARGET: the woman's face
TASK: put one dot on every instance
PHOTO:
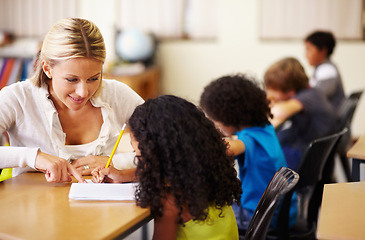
(74, 81)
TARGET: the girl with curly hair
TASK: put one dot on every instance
(239, 108)
(185, 176)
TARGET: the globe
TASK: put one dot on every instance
(133, 45)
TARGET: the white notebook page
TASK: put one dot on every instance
(102, 191)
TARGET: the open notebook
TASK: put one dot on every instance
(102, 191)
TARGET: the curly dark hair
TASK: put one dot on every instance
(236, 100)
(182, 154)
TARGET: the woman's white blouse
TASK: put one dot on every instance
(31, 120)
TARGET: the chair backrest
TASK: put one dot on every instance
(347, 109)
(345, 115)
(283, 181)
(314, 157)
(310, 170)
(356, 95)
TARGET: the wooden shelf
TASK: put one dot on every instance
(146, 84)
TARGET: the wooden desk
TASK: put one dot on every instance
(342, 214)
(31, 208)
(357, 153)
(146, 83)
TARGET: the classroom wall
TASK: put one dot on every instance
(190, 65)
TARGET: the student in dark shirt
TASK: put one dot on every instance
(301, 113)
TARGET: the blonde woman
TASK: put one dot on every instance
(66, 119)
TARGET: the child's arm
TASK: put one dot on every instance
(284, 110)
(165, 227)
(112, 175)
(236, 147)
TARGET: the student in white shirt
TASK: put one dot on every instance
(319, 47)
(66, 112)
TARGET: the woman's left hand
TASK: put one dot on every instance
(85, 165)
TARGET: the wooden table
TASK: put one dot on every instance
(357, 153)
(31, 208)
(342, 214)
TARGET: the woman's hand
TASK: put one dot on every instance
(112, 175)
(56, 169)
(85, 165)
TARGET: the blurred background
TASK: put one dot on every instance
(194, 41)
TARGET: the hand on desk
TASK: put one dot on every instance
(85, 165)
(112, 175)
(56, 169)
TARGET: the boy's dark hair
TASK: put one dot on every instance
(322, 39)
(286, 75)
(236, 100)
(182, 154)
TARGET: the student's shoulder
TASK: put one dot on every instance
(326, 70)
(306, 93)
(250, 134)
(312, 97)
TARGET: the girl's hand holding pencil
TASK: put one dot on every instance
(113, 175)
(100, 174)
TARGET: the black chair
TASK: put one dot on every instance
(345, 115)
(356, 95)
(283, 181)
(310, 171)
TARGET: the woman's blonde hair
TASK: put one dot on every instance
(69, 38)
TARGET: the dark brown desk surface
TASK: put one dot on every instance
(31, 208)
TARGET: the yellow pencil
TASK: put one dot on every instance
(116, 145)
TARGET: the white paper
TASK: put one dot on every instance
(102, 191)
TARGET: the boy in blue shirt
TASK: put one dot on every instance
(237, 106)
